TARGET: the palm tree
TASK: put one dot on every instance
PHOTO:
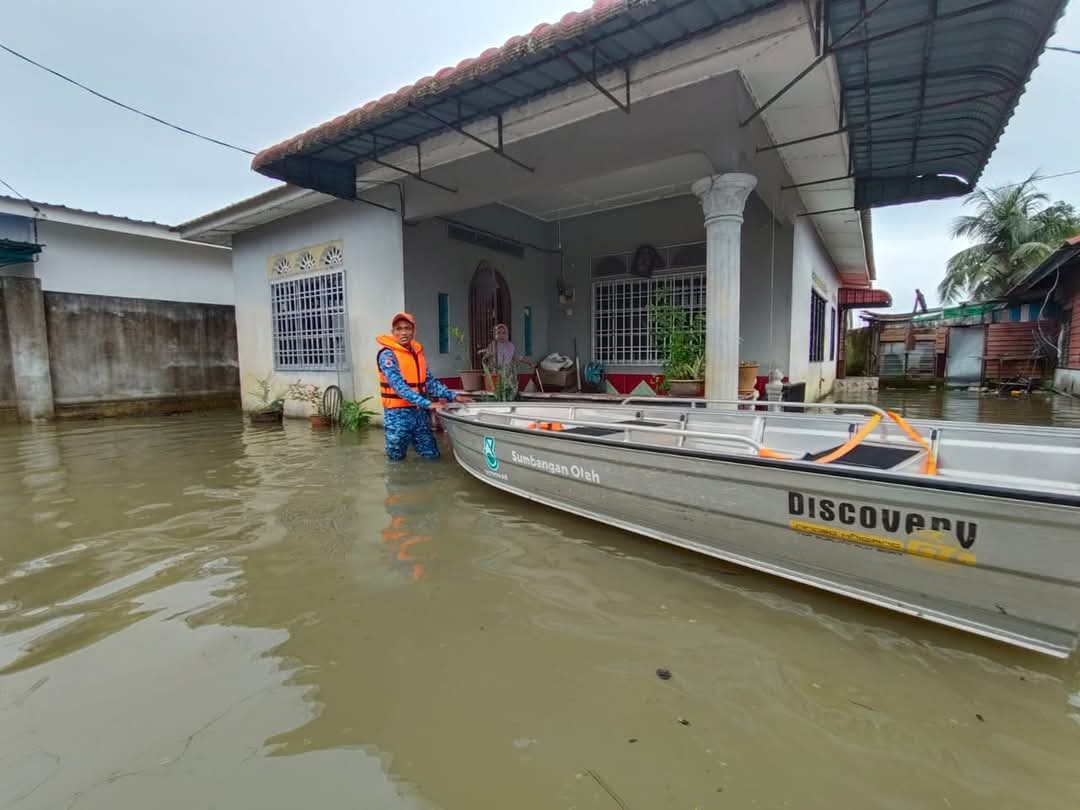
(1015, 227)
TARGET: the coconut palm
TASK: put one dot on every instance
(1015, 227)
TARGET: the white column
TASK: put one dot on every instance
(723, 198)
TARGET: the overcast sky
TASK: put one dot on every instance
(254, 73)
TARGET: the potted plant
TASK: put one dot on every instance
(269, 410)
(748, 370)
(502, 382)
(681, 338)
(471, 379)
(311, 394)
(354, 415)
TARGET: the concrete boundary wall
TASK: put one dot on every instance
(121, 356)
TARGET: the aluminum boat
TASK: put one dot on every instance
(974, 526)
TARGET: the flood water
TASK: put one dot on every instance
(196, 613)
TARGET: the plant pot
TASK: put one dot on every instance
(265, 417)
(471, 380)
(320, 421)
(491, 382)
(747, 375)
(686, 388)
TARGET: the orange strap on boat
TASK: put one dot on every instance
(765, 452)
(930, 467)
(851, 443)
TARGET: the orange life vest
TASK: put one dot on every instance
(413, 368)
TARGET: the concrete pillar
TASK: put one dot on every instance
(24, 305)
(723, 199)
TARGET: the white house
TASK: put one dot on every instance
(102, 314)
(725, 151)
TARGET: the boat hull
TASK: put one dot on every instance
(1000, 567)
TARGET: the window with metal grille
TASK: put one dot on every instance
(621, 321)
(308, 318)
(817, 327)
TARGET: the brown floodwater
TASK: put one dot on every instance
(197, 613)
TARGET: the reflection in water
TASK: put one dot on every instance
(194, 612)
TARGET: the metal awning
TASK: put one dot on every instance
(611, 35)
(863, 297)
(13, 252)
(927, 87)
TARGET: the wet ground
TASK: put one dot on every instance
(198, 613)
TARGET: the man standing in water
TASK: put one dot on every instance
(409, 391)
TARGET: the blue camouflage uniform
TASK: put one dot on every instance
(409, 425)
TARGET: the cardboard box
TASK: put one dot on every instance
(559, 379)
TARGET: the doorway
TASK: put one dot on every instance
(489, 304)
(964, 360)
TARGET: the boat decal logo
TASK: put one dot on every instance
(919, 535)
(489, 453)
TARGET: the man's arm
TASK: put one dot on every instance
(437, 390)
(389, 367)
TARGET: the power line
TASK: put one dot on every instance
(1061, 174)
(121, 104)
(14, 190)
(1058, 48)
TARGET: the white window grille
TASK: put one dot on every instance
(308, 317)
(621, 321)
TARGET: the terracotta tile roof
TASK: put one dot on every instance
(542, 36)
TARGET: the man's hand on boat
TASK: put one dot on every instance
(439, 405)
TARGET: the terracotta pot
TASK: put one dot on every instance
(319, 421)
(686, 388)
(747, 375)
(471, 380)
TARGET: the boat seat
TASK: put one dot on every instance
(864, 454)
(593, 431)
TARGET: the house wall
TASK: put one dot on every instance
(374, 283)
(98, 262)
(1072, 302)
(122, 355)
(435, 263)
(765, 279)
(1067, 377)
(1010, 348)
(811, 269)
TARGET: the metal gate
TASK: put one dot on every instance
(964, 361)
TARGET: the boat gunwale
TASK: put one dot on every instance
(797, 465)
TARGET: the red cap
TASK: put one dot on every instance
(403, 316)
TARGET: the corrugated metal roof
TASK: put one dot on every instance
(31, 205)
(1066, 257)
(927, 86)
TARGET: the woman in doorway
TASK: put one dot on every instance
(500, 352)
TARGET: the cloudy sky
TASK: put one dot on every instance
(255, 72)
